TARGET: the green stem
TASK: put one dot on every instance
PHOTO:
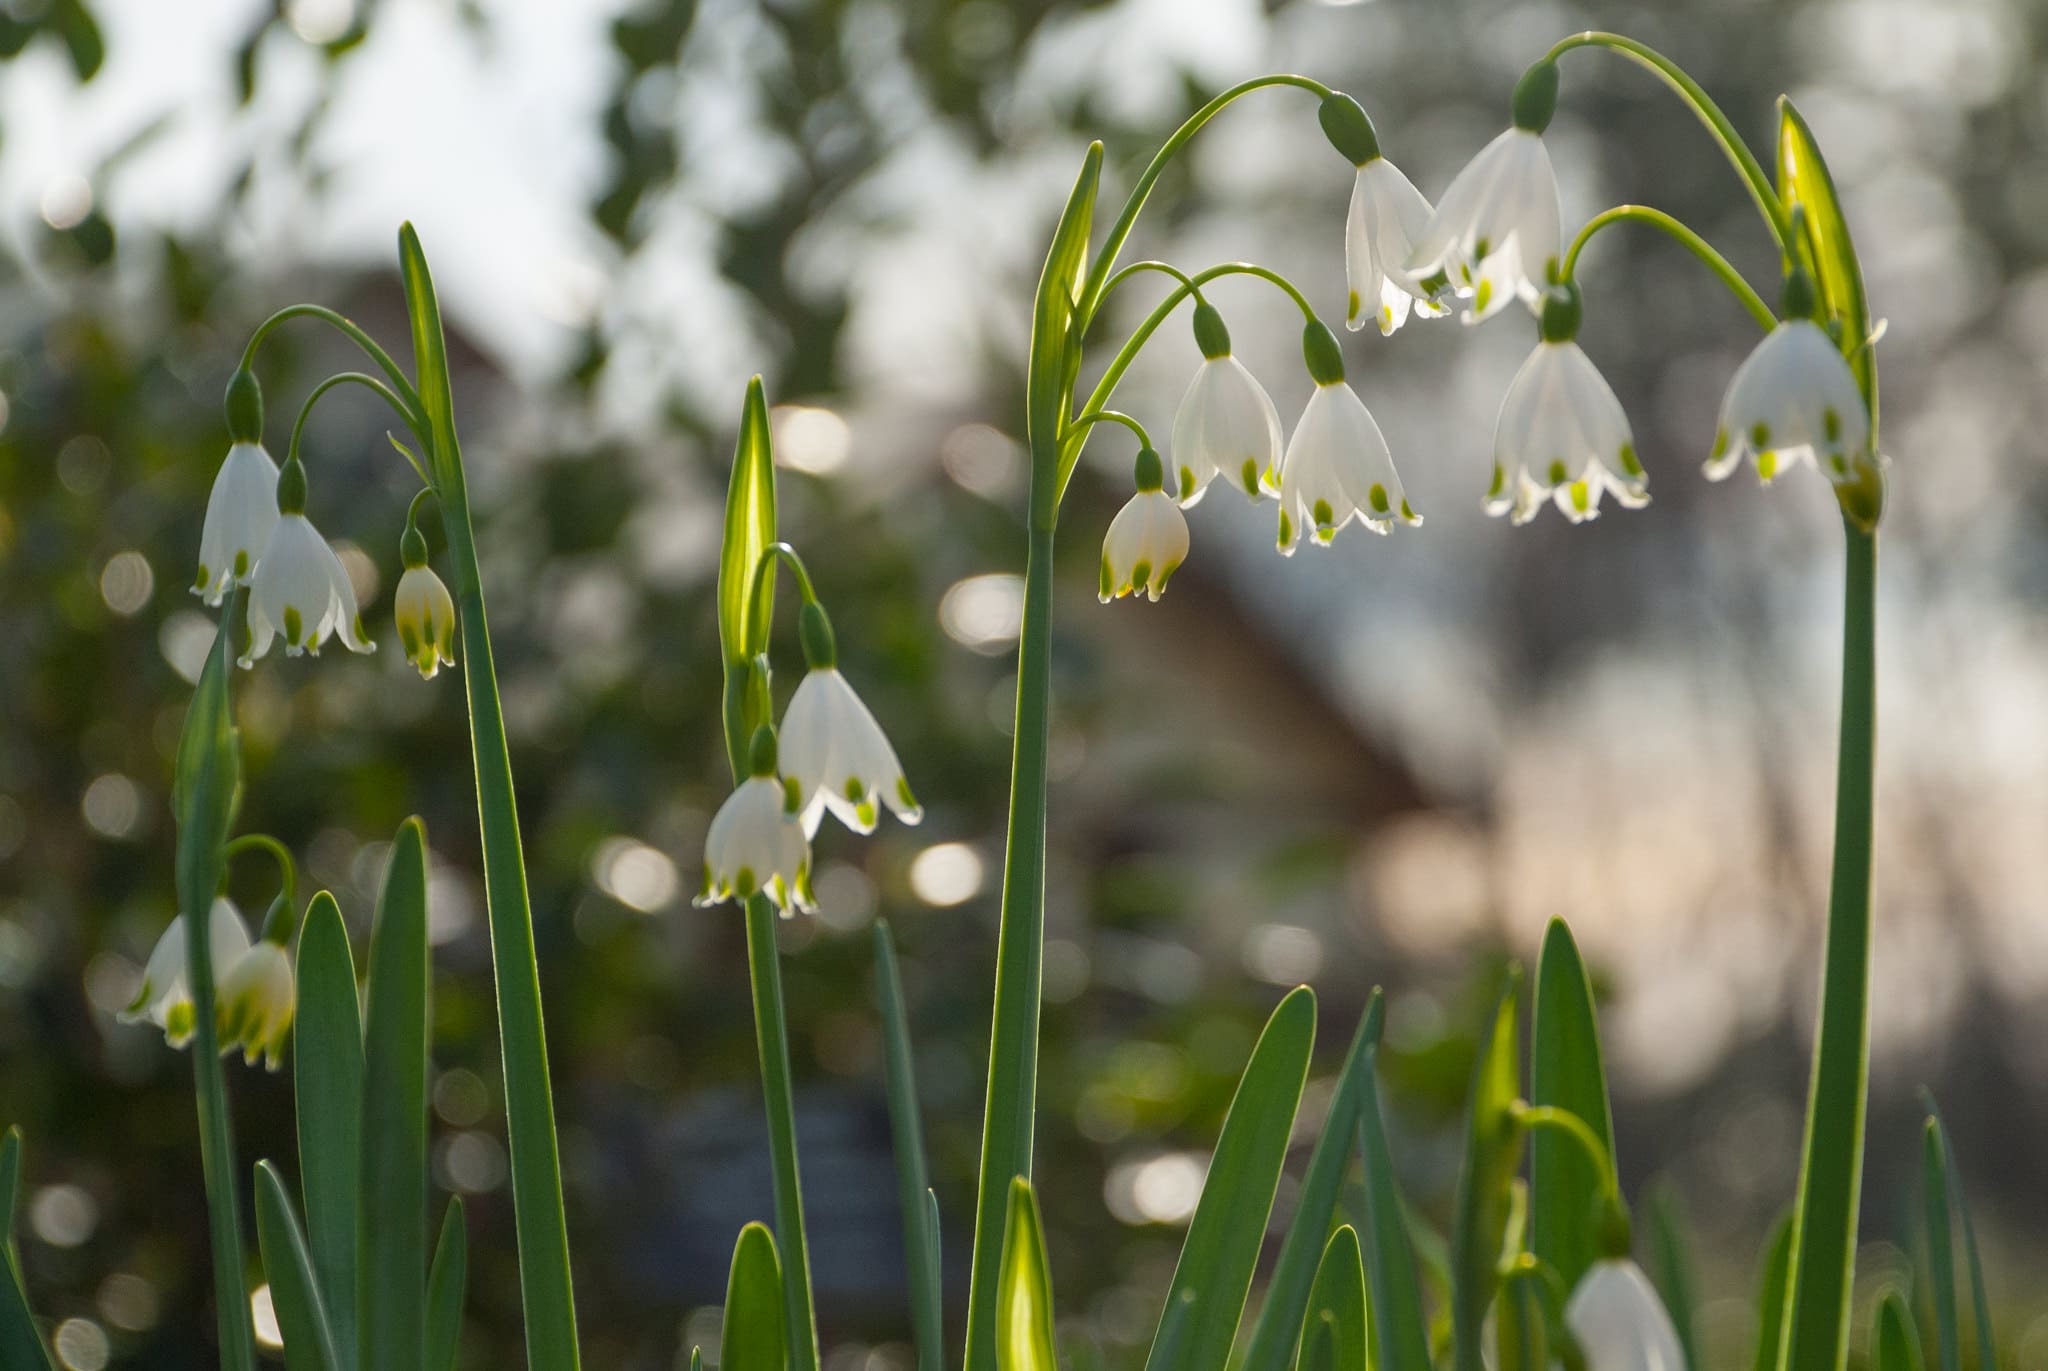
(1831, 1169)
(287, 870)
(412, 419)
(1008, 1118)
(1139, 268)
(764, 565)
(399, 382)
(1115, 416)
(1093, 289)
(1689, 90)
(771, 1033)
(1572, 1126)
(1698, 246)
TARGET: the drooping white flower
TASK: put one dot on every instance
(1619, 1322)
(1226, 422)
(1337, 466)
(838, 758)
(255, 1004)
(1561, 432)
(1496, 233)
(240, 514)
(302, 594)
(1388, 216)
(756, 841)
(1793, 400)
(165, 996)
(425, 614)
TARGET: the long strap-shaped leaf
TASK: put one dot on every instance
(1773, 1286)
(1278, 1327)
(1565, 1186)
(1896, 1340)
(1672, 1265)
(20, 1344)
(1400, 1332)
(327, 1074)
(446, 1282)
(1222, 1247)
(1023, 1327)
(545, 1291)
(1492, 1155)
(1336, 1308)
(294, 1293)
(391, 1290)
(914, 1195)
(753, 1334)
(1952, 1180)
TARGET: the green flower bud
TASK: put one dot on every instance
(1561, 312)
(1799, 299)
(1348, 128)
(412, 549)
(245, 408)
(1613, 1232)
(1149, 470)
(814, 629)
(761, 753)
(1535, 99)
(1320, 350)
(291, 487)
(1210, 334)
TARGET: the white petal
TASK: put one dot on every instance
(241, 511)
(1148, 535)
(1226, 423)
(294, 584)
(1620, 1324)
(347, 620)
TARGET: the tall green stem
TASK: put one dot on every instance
(1007, 1122)
(216, 1135)
(771, 1032)
(1831, 1169)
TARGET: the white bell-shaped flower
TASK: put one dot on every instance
(1226, 422)
(255, 1005)
(1619, 1322)
(423, 610)
(1793, 400)
(1388, 217)
(165, 996)
(1337, 467)
(240, 514)
(833, 751)
(1562, 434)
(1146, 542)
(756, 841)
(1497, 232)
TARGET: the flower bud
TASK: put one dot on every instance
(1535, 98)
(245, 408)
(1799, 299)
(1562, 311)
(1348, 128)
(761, 752)
(1324, 357)
(814, 629)
(291, 487)
(1148, 471)
(1210, 334)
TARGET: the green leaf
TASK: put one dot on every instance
(294, 1294)
(1671, 1265)
(1335, 1314)
(1287, 1293)
(208, 777)
(445, 1284)
(1565, 1070)
(1896, 1340)
(1024, 1340)
(21, 1346)
(919, 1208)
(1493, 1149)
(1400, 1331)
(1052, 314)
(1980, 1303)
(1773, 1287)
(742, 613)
(1804, 184)
(392, 1281)
(327, 1075)
(753, 1338)
(1522, 1336)
(430, 363)
(1222, 1247)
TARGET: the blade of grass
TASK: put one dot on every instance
(1335, 1310)
(1493, 1148)
(20, 1344)
(1278, 1328)
(1672, 1262)
(920, 1230)
(1222, 1247)
(1566, 1186)
(392, 1239)
(1980, 1302)
(1024, 1338)
(752, 1336)
(1896, 1340)
(1400, 1331)
(1772, 1288)
(1941, 1257)
(327, 1077)
(294, 1293)
(546, 1293)
(447, 1280)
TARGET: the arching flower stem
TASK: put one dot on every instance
(1137, 268)
(1693, 243)
(390, 397)
(1564, 1121)
(757, 633)
(287, 870)
(1690, 91)
(414, 411)
(1096, 416)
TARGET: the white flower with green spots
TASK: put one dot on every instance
(1496, 233)
(837, 757)
(1619, 1323)
(1388, 215)
(165, 995)
(1226, 423)
(301, 594)
(1338, 468)
(1562, 436)
(255, 1005)
(1793, 400)
(240, 514)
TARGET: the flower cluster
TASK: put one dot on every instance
(254, 993)
(831, 756)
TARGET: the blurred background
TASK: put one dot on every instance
(1388, 763)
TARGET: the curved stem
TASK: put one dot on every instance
(1096, 416)
(413, 420)
(1572, 1126)
(288, 875)
(757, 634)
(355, 334)
(1698, 246)
(1149, 264)
(419, 500)
(1760, 188)
(1093, 288)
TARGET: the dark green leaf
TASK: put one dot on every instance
(1335, 1314)
(21, 1346)
(327, 1074)
(1052, 313)
(1897, 1342)
(1565, 1070)
(1222, 1247)
(1024, 1340)
(743, 613)
(920, 1227)
(294, 1294)
(1521, 1334)
(1400, 1332)
(430, 363)
(392, 1283)
(207, 780)
(1980, 1302)
(1671, 1263)
(1493, 1148)
(1804, 184)
(445, 1285)
(752, 1337)
(1287, 1293)
(1772, 1289)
